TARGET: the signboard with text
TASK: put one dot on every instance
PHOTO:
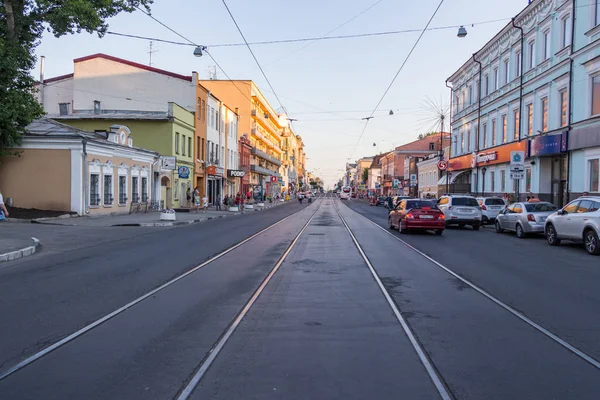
(517, 161)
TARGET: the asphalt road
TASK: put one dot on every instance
(334, 321)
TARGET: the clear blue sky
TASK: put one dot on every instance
(331, 75)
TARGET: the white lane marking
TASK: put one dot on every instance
(508, 308)
(439, 385)
(118, 311)
(214, 352)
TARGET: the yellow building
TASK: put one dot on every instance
(259, 121)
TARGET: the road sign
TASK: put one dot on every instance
(517, 174)
(443, 165)
(396, 183)
(517, 161)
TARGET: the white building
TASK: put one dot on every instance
(215, 148)
(232, 157)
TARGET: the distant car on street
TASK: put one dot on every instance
(578, 221)
(345, 193)
(461, 210)
(417, 214)
(381, 201)
(524, 218)
(490, 208)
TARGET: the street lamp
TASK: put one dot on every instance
(462, 32)
(198, 51)
(483, 171)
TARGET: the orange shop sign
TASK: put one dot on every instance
(462, 162)
(211, 170)
(500, 154)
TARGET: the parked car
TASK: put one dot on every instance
(524, 218)
(461, 210)
(490, 208)
(381, 201)
(578, 221)
(418, 215)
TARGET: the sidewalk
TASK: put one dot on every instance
(147, 219)
(12, 247)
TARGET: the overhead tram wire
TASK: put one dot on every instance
(396, 76)
(253, 56)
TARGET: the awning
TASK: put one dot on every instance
(453, 177)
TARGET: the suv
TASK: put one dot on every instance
(461, 210)
(577, 221)
(490, 208)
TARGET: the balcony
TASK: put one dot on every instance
(263, 155)
(264, 171)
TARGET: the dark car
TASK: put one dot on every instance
(381, 201)
(417, 215)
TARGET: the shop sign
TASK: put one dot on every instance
(235, 173)
(548, 145)
(459, 163)
(487, 157)
(168, 162)
(184, 172)
(211, 170)
(396, 183)
(517, 160)
(274, 179)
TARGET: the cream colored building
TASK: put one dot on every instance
(428, 177)
(62, 168)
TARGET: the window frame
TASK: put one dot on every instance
(529, 108)
(97, 200)
(547, 43)
(135, 189)
(544, 114)
(504, 121)
(110, 193)
(590, 175)
(506, 63)
(531, 55)
(122, 196)
(516, 123)
(494, 133)
(563, 95)
(593, 77)
(176, 142)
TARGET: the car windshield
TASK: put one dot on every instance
(540, 207)
(464, 201)
(494, 202)
(419, 204)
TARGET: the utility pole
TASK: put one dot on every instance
(150, 51)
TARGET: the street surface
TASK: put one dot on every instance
(326, 304)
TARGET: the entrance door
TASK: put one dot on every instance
(559, 180)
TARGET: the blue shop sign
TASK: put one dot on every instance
(548, 145)
(184, 172)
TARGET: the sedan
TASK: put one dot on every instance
(417, 215)
(524, 218)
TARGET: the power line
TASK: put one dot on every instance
(397, 73)
(327, 34)
(307, 39)
(253, 56)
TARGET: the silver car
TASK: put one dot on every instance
(524, 218)
(578, 221)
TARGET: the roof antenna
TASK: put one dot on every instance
(150, 53)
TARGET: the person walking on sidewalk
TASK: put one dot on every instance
(204, 203)
(218, 203)
(3, 210)
(188, 197)
(196, 197)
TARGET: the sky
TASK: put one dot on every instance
(327, 85)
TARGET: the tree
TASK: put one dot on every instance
(365, 175)
(22, 23)
(423, 136)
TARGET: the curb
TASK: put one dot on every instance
(24, 252)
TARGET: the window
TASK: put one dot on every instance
(94, 190)
(457, 103)
(203, 110)
(585, 206)
(122, 189)
(571, 207)
(468, 140)
(565, 33)
(97, 107)
(199, 109)
(176, 189)
(502, 180)
(518, 63)
(492, 181)
(470, 94)
(486, 84)
(484, 141)
(496, 78)
(594, 173)
(531, 59)
(464, 98)
(596, 95)
(63, 108)
(564, 100)
(477, 90)
(547, 48)
(108, 190)
(528, 179)
(217, 120)
(144, 189)
(504, 132)
(462, 142)
(544, 114)
(135, 194)
(493, 132)
(176, 142)
(431, 146)
(517, 122)
(183, 145)
(529, 108)
(190, 146)
(203, 155)
(506, 71)
(597, 13)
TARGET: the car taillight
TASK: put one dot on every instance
(441, 216)
(530, 217)
(410, 216)
(483, 207)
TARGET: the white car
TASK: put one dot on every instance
(345, 193)
(461, 210)
(578, 221)
(490, 208)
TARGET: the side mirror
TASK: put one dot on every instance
(561, 212)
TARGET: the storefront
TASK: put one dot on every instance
(548, 166)
(584, 163)
(183, 182)
(491, 172)
(214, 183)
(458, 176)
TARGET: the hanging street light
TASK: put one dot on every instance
(462, 32)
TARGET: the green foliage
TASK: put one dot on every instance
(365, 175)
(22, 23)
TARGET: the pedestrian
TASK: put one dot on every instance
(196, 198)
(204, 203)
(218, 203)
(3, 210)
(586, 193)
(390, 203)
(188, 197)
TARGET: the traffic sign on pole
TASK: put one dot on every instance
(443, 165)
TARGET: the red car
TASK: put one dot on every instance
(417, 215)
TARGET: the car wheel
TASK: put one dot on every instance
(590, 239)
(475, 227)
(520, 232)
(551, 236)
(498, 227)
(439, 232)
(390, 225)
(485, 220)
